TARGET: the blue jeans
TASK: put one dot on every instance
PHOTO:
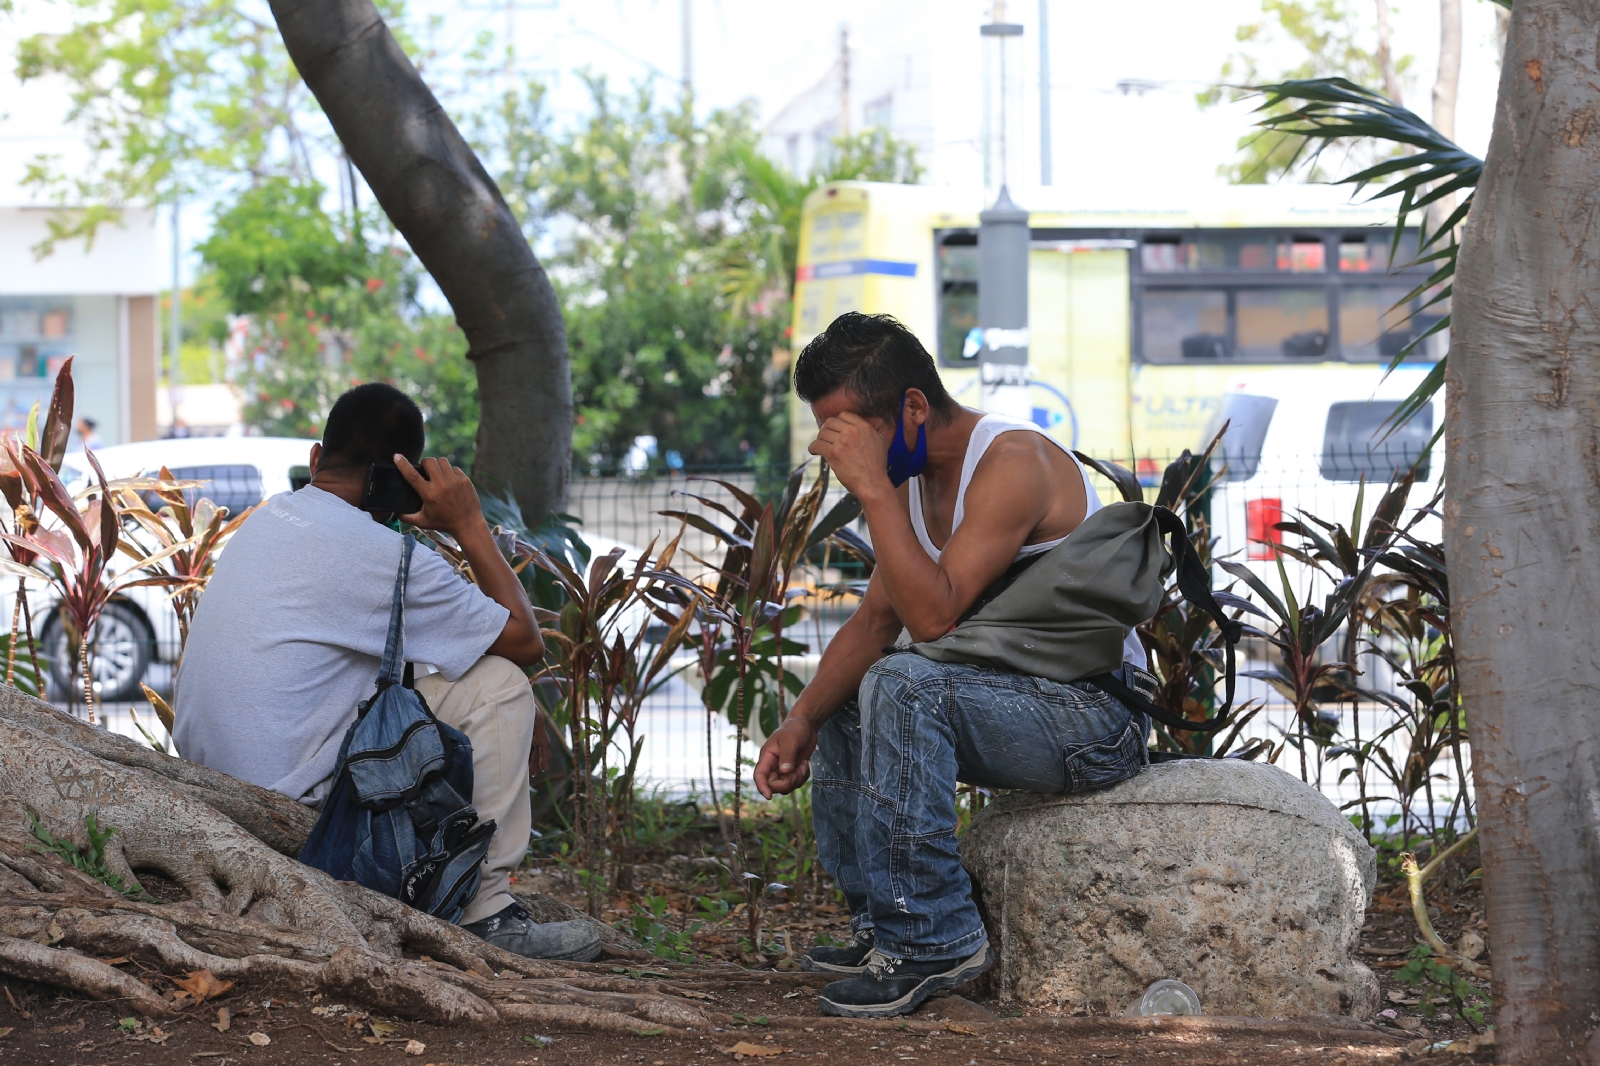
(884, 784)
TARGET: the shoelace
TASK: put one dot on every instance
(881, 966)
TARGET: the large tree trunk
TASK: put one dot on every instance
(1523, 530)
(433, 188)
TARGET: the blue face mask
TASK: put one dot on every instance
(906, 463)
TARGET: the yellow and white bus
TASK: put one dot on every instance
(1139, 317)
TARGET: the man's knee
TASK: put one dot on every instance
(496, 676)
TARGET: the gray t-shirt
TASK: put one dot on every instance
(289, 636)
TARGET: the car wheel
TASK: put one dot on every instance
(118, 656)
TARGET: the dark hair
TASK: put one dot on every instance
(369, 424)
(873, 356)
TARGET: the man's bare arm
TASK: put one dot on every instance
(785, 759)
(450, 504)
(1006, 500)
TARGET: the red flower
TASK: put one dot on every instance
(374, 284)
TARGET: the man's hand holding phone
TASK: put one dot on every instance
(449, 499)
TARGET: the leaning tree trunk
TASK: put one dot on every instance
(437, 194)
(1523, 530)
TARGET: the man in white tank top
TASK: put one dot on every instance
(886, 734)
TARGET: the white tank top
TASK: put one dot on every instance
(983, 434)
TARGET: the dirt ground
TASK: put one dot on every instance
(272, 1026)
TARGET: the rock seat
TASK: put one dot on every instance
(1234, 877)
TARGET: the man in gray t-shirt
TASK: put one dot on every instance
(290, 632)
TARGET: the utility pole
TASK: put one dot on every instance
(1045, 161)
(844, 80)
(511, 42)
(688, 48)
(175, 339)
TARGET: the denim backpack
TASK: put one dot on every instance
(399, 818)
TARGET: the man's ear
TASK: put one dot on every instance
(316, 457)
(918, 410)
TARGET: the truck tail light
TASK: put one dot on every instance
(1261, 518)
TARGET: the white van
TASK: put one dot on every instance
(139, 627)
(1303, 440)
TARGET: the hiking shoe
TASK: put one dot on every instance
(891, 987)
(514, 930)
(835, 958)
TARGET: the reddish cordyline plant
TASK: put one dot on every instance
(193, 532)
(75, 561)
(50, 440)
(604, 670)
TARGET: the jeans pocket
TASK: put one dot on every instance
(1104, 762)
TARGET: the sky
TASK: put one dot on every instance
(1125, 74)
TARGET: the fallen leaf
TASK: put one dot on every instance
(260, 1039)
(157, 1036)
(75, 1027)
(691, 993)
(13, 1001)
(790, 995)
(118, 961)
(415, 1047)
(202, 985)
(744, 1048)
(4, 1033)
(381, 1029)
(957, 1027)
(224, 1020)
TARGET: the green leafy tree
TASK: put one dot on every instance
(328, 309)
(1333, 38)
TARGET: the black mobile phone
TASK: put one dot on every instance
(388, 490)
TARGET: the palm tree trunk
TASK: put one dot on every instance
(448, 209)
(1522, 524)
(1448, 79)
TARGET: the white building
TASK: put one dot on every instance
(918, 72)
(98, 304)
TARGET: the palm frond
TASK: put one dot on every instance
(1334, 109)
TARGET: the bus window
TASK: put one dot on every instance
(1371, 326)
(1214, 251)
(958, 298)
(1278, 324)
(1302, 255)
(1247, 418)
(1354, 445)
(1368, 253)
(1180, 324)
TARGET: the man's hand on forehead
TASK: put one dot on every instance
(856, 452)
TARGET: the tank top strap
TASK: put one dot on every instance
(919, 525)
(983, 434)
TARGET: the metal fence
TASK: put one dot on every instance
(684, 746)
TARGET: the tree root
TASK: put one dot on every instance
(252, 913)
(587, 1018)
(77, 973)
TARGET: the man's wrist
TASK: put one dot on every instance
(879, 492)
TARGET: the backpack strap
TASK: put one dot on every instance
(394, 649)
(1195, 585)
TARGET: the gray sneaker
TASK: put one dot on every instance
(514, 930)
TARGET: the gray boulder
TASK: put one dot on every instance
(1234, 877)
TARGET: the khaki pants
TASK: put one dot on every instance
(493, 704)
